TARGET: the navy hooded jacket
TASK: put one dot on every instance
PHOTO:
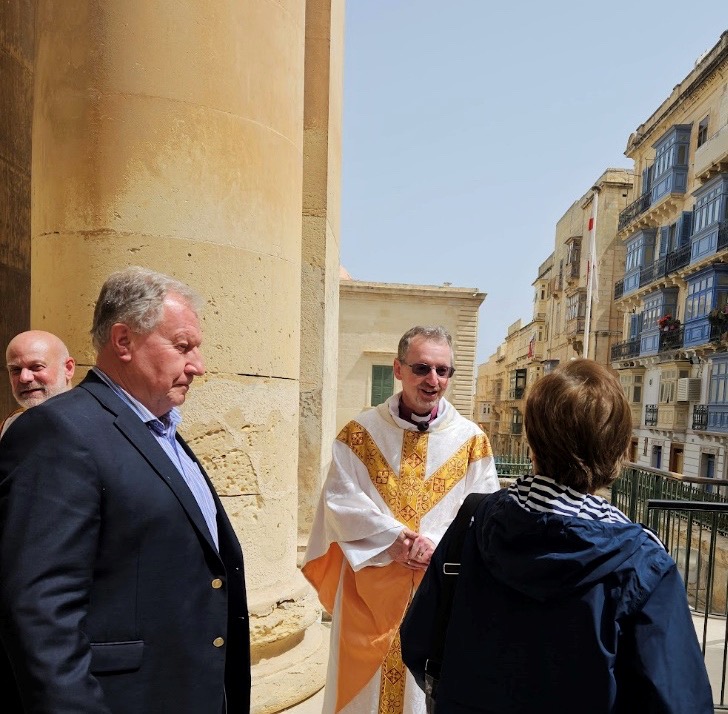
(559, 614)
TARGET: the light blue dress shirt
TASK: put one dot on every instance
(164, 430)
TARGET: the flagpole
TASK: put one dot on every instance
(592, 263)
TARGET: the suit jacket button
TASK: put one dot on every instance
(218, 642)
(216, 583)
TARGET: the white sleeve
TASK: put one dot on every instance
(356, 516)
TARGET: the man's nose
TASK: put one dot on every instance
(432, 377)
(26, 375)
(195, 364)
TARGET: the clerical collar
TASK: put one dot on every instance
(412, 418)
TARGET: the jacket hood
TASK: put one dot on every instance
(545, 556)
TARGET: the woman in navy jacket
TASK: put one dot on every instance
(562, 604)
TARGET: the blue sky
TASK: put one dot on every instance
(470, 129)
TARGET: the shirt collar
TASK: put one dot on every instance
(165, 425)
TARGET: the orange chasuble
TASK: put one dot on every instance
(374, 599)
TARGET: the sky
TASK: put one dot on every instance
(470, 127)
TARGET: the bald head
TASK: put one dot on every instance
(39, 367)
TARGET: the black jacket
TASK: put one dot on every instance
(112, 594)
(559, 614)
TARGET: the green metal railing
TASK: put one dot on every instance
(512, 465)
(691, 532)
(690, 515)
(638, 484)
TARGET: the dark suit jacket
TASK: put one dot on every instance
(113, 597)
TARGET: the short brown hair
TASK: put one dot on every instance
(433, 333)
(578, 425)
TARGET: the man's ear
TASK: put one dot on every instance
(397, 368)
(69, 367)
(121, 340)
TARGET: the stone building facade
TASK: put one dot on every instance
(673, 360)
(562, 311)
(203, 142)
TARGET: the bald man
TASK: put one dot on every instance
(39, 367)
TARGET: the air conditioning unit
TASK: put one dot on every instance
(688, 389)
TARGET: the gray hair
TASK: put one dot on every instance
(434, 333)
(135, 296)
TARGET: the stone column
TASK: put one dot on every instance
(169, 135)
(320, 251)
(16, 106)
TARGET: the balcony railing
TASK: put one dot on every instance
(700, 417)
(672, 339)
(690, 515)
(575, 326)
(694, 533)
(677, 259)
(625, 350)
(512, 465)
(634, 209)
(638, 484)
(652, 272)
(651, 415)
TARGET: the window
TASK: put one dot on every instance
(382, 383)
(703, 131)
(705, 292)
(707, 209)
(635, 326)
(700, 297)
(518, 384)
(632, 386)
(516, 421)
(668, 384)
(647, 175)
(672, 151)
(671, 162)
(576, 306)
(718, 394)
(641, 250)
(573, 251)
(633, 256)
(656, 305)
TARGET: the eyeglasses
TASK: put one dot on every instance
(422, 370)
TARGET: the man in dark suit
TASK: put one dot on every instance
(121, 580)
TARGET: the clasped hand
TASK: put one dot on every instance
(412, 550)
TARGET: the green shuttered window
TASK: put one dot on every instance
(382, 383)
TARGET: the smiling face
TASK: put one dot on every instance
(422, 394)
(157, 368)
(39, 367)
